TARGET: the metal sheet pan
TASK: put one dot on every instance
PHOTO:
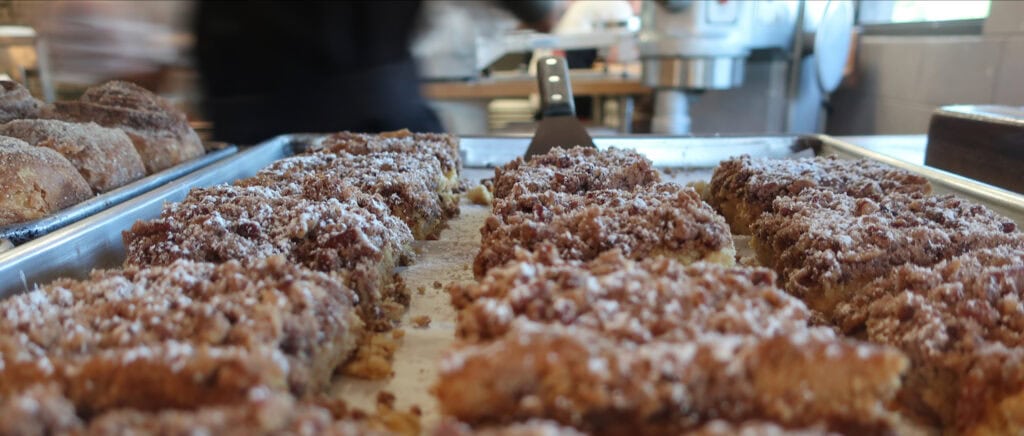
(95, 242)
(22, 232)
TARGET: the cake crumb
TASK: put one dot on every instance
(374, 356)
(479, 194)
(398, 334)
(421, 322)
(421, 290)
(437, 284)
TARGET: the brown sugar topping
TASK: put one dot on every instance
(575, 171)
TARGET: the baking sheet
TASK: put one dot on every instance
(95, 242)
(22, 232)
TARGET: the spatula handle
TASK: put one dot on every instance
(555, 89)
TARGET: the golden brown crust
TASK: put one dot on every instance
(35, 182)
(576, 171)
(16, 102)
(662, 219)
(743, 188)
(105, 157)
(580, 378)
(181, 335)
(827, 245)
(161, 133)
(636, 301)
(354, 235)
(409, 185)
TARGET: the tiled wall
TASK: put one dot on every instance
(901, 79)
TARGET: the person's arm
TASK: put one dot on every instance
(539, 15)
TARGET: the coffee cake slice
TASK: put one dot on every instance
(743, 188)
(443, 148)
(637, 301)
(575, 171)
(355, 236)
(180, 335)
(961, 323)
(661, 220)
(826, 246)
(580, 378)
(407, 184)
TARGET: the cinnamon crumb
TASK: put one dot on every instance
(421, 322)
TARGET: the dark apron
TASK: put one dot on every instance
(376, 99)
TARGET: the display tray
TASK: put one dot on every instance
(95, 241)
(22, 232)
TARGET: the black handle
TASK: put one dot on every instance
(555, 89)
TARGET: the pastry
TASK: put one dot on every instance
(16, 102)
(444, 148)
(575, 171)
(638, 301)
(354, 235)
(826, 246)
(662, 219)
(580, 378)
(408, 184)
(961, 322)
(105, 157)
(180, 335)
(743, 188)
(36, 182)
(161, 134)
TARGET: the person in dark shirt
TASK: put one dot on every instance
(274, 67)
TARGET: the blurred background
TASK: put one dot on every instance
(676, 67)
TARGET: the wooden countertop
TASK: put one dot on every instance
(489, 88)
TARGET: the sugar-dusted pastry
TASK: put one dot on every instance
(36, 182)
(160, 132)
(354, 235)
(662, 219)
(105, 157)
(743, 188)
(575, 171)
(826, 245)
(580, 378)
(180, 335)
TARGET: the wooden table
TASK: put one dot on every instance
(583, 84)
(490, 88)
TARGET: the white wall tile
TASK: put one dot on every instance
(957, 70)
(1005, 17)
(1009, 85)
(890, 66)
(895, 117)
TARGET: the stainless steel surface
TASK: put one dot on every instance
(558, 125)
(664, 151)
(22, 232)
(694, 73)
(95, 242)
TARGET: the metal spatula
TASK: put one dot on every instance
(558, 125)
